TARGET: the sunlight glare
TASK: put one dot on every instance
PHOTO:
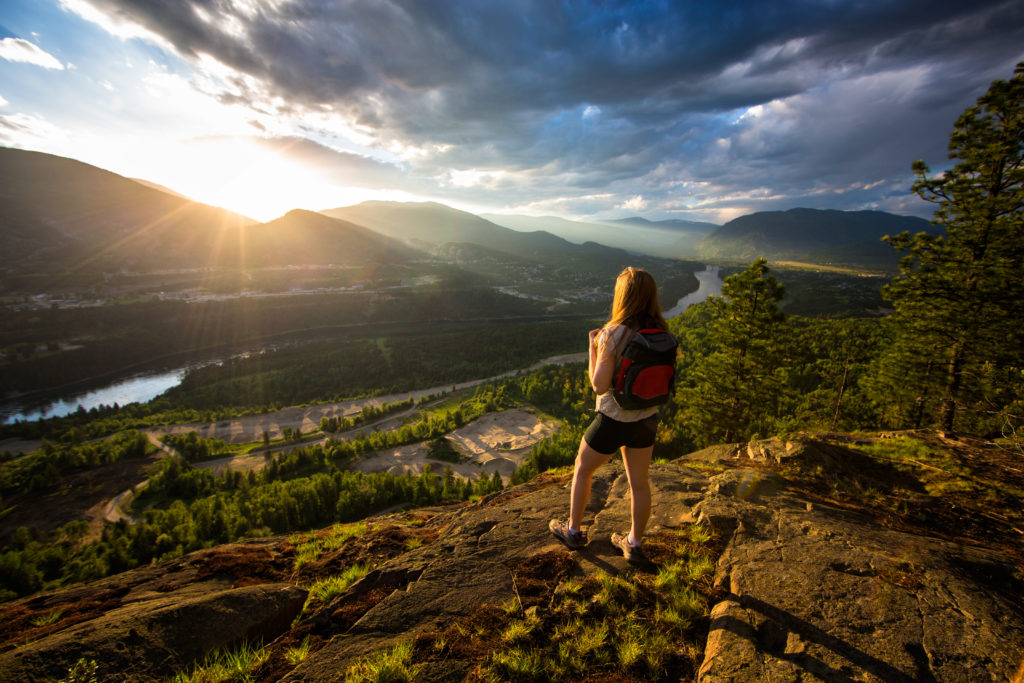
(243, 176)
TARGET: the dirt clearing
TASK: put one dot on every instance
(498, 441)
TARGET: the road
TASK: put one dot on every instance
(307, 418)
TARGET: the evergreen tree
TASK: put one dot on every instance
(733, 391)
(959, 298)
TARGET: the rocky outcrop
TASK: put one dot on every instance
(813, 585)
(162, 633)
(812, 590)
(820, 593)
(146, 624)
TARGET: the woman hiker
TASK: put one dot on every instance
(634, 307)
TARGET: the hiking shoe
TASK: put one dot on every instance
(632, 553)
(573, 539)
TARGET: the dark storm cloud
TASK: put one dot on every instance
(578, 95)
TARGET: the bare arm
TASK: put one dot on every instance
(601, 364)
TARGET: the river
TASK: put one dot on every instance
(146, 387)
(140, 388)
(710, 285)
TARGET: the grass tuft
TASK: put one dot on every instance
(326, 589)
(386, 666)
(51, 617)
(517, 664)
(235, 665)
(296, 655)
(520, 629)
(309, 548)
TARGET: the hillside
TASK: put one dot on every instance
(826, 556)
(306, 237)
(59, 215)
(671, 224)
(436, 224)
(673, 238)
(818, 236)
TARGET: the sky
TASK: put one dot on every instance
(591, 110)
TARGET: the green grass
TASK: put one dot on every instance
(937, 468)
(517, 664)
(310, 548)
(520, 629)
(235, 665)
(296, 655)
(47, 619)
(609, 625)
(328, 588)
(83, 671)
(385, 666)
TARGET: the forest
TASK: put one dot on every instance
(949, 357)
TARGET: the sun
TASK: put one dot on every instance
(241, 175)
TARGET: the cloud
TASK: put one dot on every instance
(27, 131)
(634, 203)
(342, 168)
(21, 50)
(690, 105)
(3, 102)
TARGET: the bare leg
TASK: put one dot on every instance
(587, 462)
(638, 462)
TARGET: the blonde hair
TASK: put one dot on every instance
(636, 302)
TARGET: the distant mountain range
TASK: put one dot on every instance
(60, 216)
(812, 235)
(429, 225)
(669, 238)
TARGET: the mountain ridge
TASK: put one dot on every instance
(800, 232)
(64, 216)
(61, 216)
(652, 238)
(437, 224)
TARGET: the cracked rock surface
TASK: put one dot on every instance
(820, 593)
(810, 589)
(144, 624)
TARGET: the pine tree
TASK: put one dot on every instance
(734, 389)
(959, 299)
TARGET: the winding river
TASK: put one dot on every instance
(710, 285)
(146, 387)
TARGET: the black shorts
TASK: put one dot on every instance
(606, 435)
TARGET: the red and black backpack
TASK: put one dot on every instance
(647, 370)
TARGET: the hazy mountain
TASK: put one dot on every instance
(310, 238)
(576, 232)
(65, 224)
(435, 224)
(852, 237)
(58, 215)
(158, 186)
(675, 224)
(656, 238)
